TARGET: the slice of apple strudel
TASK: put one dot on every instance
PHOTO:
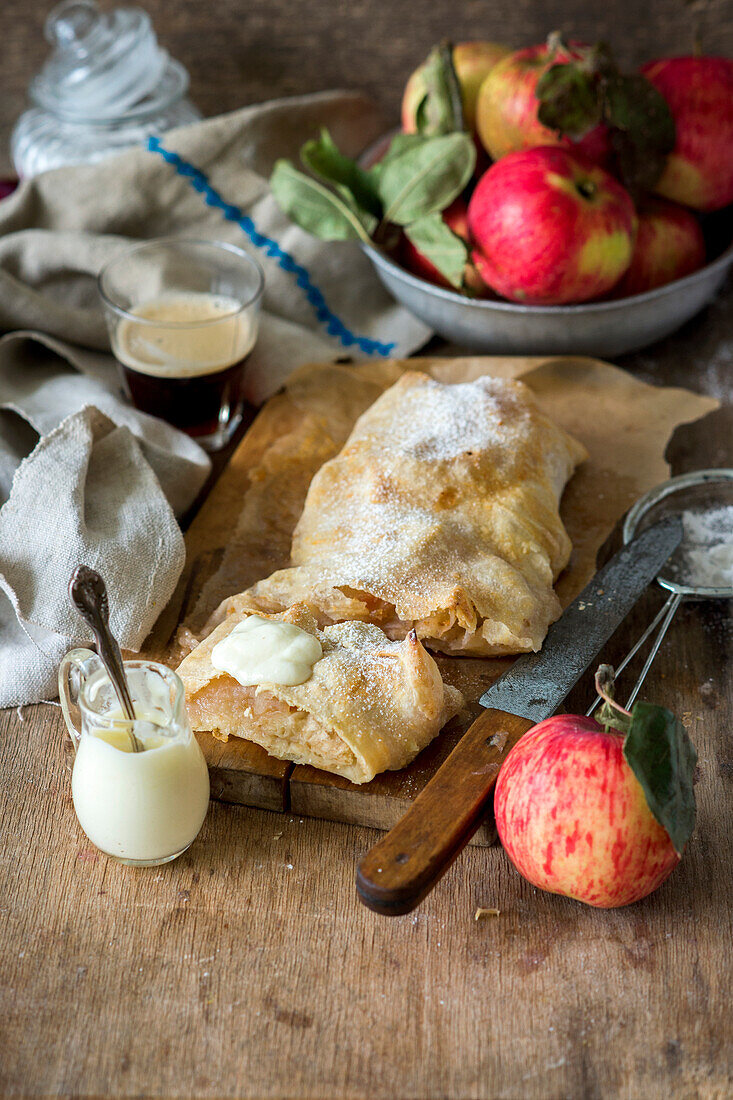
(440, 514)
(364, 704)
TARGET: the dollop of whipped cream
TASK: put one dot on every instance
(267, 651)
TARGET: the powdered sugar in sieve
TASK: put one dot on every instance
(702, 566)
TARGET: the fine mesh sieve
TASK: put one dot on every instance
(701, 568)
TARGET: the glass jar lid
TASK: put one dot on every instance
(104, 65)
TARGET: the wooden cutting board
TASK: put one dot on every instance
(242, 772)
(242, 533)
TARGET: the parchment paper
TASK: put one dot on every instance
(625, 424)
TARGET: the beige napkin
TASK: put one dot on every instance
(82, 476)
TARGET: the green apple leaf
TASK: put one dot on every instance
(400, 143)
(659, 752)
(588, 89)
(661, 755)
(600, 59)
(440, 111)
(426, 177)
(439, 244)
(312, 206)
(569, 100)
(642, 128)
(322, 157)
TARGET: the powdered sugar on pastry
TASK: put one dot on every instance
(441, 513)
(440, 422)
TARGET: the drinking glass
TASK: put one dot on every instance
(182, 318)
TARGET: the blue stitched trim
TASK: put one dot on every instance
(334, 325)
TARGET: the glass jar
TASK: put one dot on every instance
(140, 788)
(107, 86)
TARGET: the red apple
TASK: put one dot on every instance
(550, 228)
(472, 61)
(699, 91)
(506, 109)
(669, 244)
(573, 817)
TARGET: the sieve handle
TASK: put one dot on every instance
(664, 616)
(670, 609)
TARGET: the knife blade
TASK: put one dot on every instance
(397, 873)
(536, 684)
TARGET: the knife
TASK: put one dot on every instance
(397, 873)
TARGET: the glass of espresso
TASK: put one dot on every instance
(182, 318)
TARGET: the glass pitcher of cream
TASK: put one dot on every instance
(140, 789)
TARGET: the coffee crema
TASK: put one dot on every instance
(177, 347)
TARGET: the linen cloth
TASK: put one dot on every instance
(86, 478)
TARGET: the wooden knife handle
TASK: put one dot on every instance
(404, 866)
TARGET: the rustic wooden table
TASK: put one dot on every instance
(248, 967)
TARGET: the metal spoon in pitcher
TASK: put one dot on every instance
(88, 594)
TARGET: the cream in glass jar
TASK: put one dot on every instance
(141, 799)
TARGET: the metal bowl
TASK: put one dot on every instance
(594, 328)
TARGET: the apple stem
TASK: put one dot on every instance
(605, 683)
(555, 44)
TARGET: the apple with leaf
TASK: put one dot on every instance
(471, 63)
(699, 93)
(601, 809)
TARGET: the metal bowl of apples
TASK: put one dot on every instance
(604, 328)
(585, 318)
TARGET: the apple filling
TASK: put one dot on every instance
(228, 709)
(444, 627)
